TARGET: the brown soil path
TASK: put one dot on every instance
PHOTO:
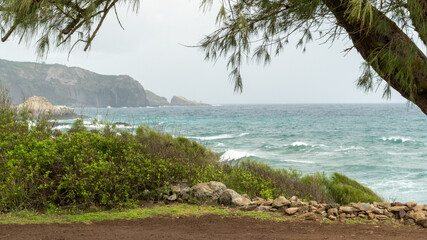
(208, 227)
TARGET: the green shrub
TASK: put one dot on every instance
(345, 190)
(43, 169)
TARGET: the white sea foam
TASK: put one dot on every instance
(221, 136)
(297, 161)
(342, 149)
(299, 144)
(396, 139)
(234, 155)
(220, 144)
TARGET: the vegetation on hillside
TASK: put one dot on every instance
(43, 168)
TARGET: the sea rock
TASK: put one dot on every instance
(40, 107)
(229, 197)
(291, 211)
(182, 101)
(208, 191)
(280, 202)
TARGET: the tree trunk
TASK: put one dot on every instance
(369, 41)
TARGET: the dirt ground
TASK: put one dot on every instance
(208, 227)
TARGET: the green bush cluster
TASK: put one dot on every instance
(41, 167)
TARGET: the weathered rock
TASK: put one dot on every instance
(371, 216)
(40, 107)
(422, 222)
(333, 212)
(418, 208)
(382, 217)
(263, 209)
(402, 213)
(332, 218)
(417, 216)
(280, 202)
(347, 209)
(267, 202)
(178, 187)
(291, 211)
(246, 196)
(361, 215)
(229, 197)
(395, 204)
(383, 205)
(309, 216)
(376, 210)
(247, 208)
(258, 200)
(314, 204)
(334, 205)
(172, 198)
(155, 100)
(409, 221)
(411, 205)
(208, 191)
(398, 208)
(294, 199)
(296, 203)
(362, 206)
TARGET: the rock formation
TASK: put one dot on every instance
(71, 86)
(182, 101)
(39, 107)
(155, 100)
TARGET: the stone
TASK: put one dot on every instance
(347, 209)
(395, 204)
(411, 205)
(362, 206)
(376, 210)
(313, 203)
(409, 221)
(383, 205)
(402, 213)
(263, 209)
(313, 209)
(294, 199)
(333, 212)
(258, 200)
(397, 208)
(382, 217)
(309, 216)
(296, 203)
(422, 222)
(267, 202)
(332, 218)
(417, 216)
(178, 187)
(361, 215)
(208, 191)
(333, 205)
(291, 211)
(280, 202)
(246, 196)
(146, 194)
(231, 198)
(172, 198)
(248, 208)
(371, 216)
(418, 208)
(342, 216)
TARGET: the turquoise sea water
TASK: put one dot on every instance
(383, 146)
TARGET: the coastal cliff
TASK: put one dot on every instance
(155, 100)
(71, 86)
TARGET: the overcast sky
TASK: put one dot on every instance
(150, 51)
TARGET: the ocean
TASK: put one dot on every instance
(382, 146)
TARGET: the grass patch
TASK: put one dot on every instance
(29, 217)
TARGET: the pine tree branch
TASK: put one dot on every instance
(418, 14)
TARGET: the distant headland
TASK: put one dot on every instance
(77, 87)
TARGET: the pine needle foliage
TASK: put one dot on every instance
(387, 33)
(56, 23)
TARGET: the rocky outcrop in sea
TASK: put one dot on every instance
(182, 101)
(40, 107)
